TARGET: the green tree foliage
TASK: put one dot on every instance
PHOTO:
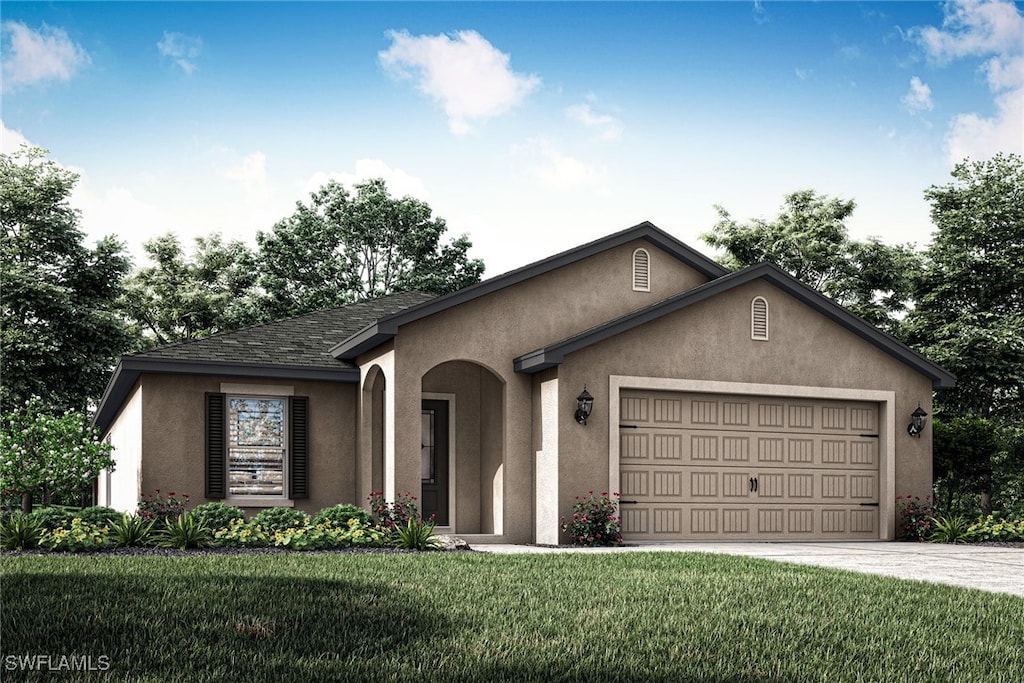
(963, 449)
(970, 298)
(340, 247)
(44, 454)
(179, 297)
(809, 240)
(61, 329)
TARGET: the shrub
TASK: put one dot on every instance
(396, 514)
(99, 515)
(184, 532)
(280, 518)
(217, 515)
(131, 531)
(594, 522)
(79, 536)
(242, 534)
(415, 534)
(915, 518)
(20, 532)
(950, 530)
(159, 508)
(339, 515)
(53, 517)
(990, 528)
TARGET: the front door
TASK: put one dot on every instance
(434, 461)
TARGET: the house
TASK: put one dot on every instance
(726, 405)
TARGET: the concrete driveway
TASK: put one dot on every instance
(996, 569)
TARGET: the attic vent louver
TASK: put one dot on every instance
(759, 319)
(641, 271)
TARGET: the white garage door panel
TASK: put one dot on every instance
(724, 466)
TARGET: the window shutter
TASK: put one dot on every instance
(759, 319)
(298, 451)
(216, 447)
(641, 271)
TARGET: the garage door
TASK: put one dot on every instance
(705, 466)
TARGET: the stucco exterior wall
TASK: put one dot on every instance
(173, 410)
(119, 489)
(711, 341)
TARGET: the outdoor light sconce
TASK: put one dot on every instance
(916, 425)
(584, 406)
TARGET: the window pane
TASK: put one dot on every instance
(256, 446)
(427, 446)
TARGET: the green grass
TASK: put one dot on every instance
(476, 617)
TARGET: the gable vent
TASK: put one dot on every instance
(641, 271)
(759, 319)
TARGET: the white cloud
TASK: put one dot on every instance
(183, 50)
(32, 57)
(463, 73)
(918, 98)
(803, 74)
(250, 172)
(760, 13)
(607, 127)
(399, 183)
(973, 27)
(561, 172)
(11, 140)
(983, 28)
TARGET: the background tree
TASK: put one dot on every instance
(809, 240)
(179, 297)
(340, 248)
(61, 329)
(44, 455)
(969, 315)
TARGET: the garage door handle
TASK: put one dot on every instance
(874, 505)
(753, 484)
(628, 502)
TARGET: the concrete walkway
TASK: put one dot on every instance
(1000, 570)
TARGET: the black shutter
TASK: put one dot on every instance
(298, 451)
(216, 447)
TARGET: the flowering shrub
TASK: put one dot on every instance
(280, 518)
(242, 534)
(914, 518)
(594, 521)
(393, 515)
(991, 529)
(79, 536)
(42, 453)
(159, 508)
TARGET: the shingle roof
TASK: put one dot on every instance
(294, 348)
(303, 340)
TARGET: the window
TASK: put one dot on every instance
(256, 446)
(759, 319)
(641, 271)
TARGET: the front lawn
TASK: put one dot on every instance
(476, 617)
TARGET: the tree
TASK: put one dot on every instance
(44, 454)
(969, 315)
(809, 240)
(179, 298)
(61, 329)
(340, 248)
(962, 461)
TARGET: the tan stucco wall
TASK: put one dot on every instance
(174, 450)
(494, 329)
(711, 341)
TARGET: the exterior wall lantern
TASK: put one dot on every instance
(917, 420)
(584, 406)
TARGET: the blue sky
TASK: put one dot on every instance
(532, 127)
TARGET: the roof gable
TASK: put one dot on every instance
(553, 354)
(385, 328)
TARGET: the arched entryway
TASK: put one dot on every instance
(370, 467)
(463, 447)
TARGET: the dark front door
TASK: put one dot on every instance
(434, 461)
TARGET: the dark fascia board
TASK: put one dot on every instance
(553, 355)
(128, 370)
(377, 333)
